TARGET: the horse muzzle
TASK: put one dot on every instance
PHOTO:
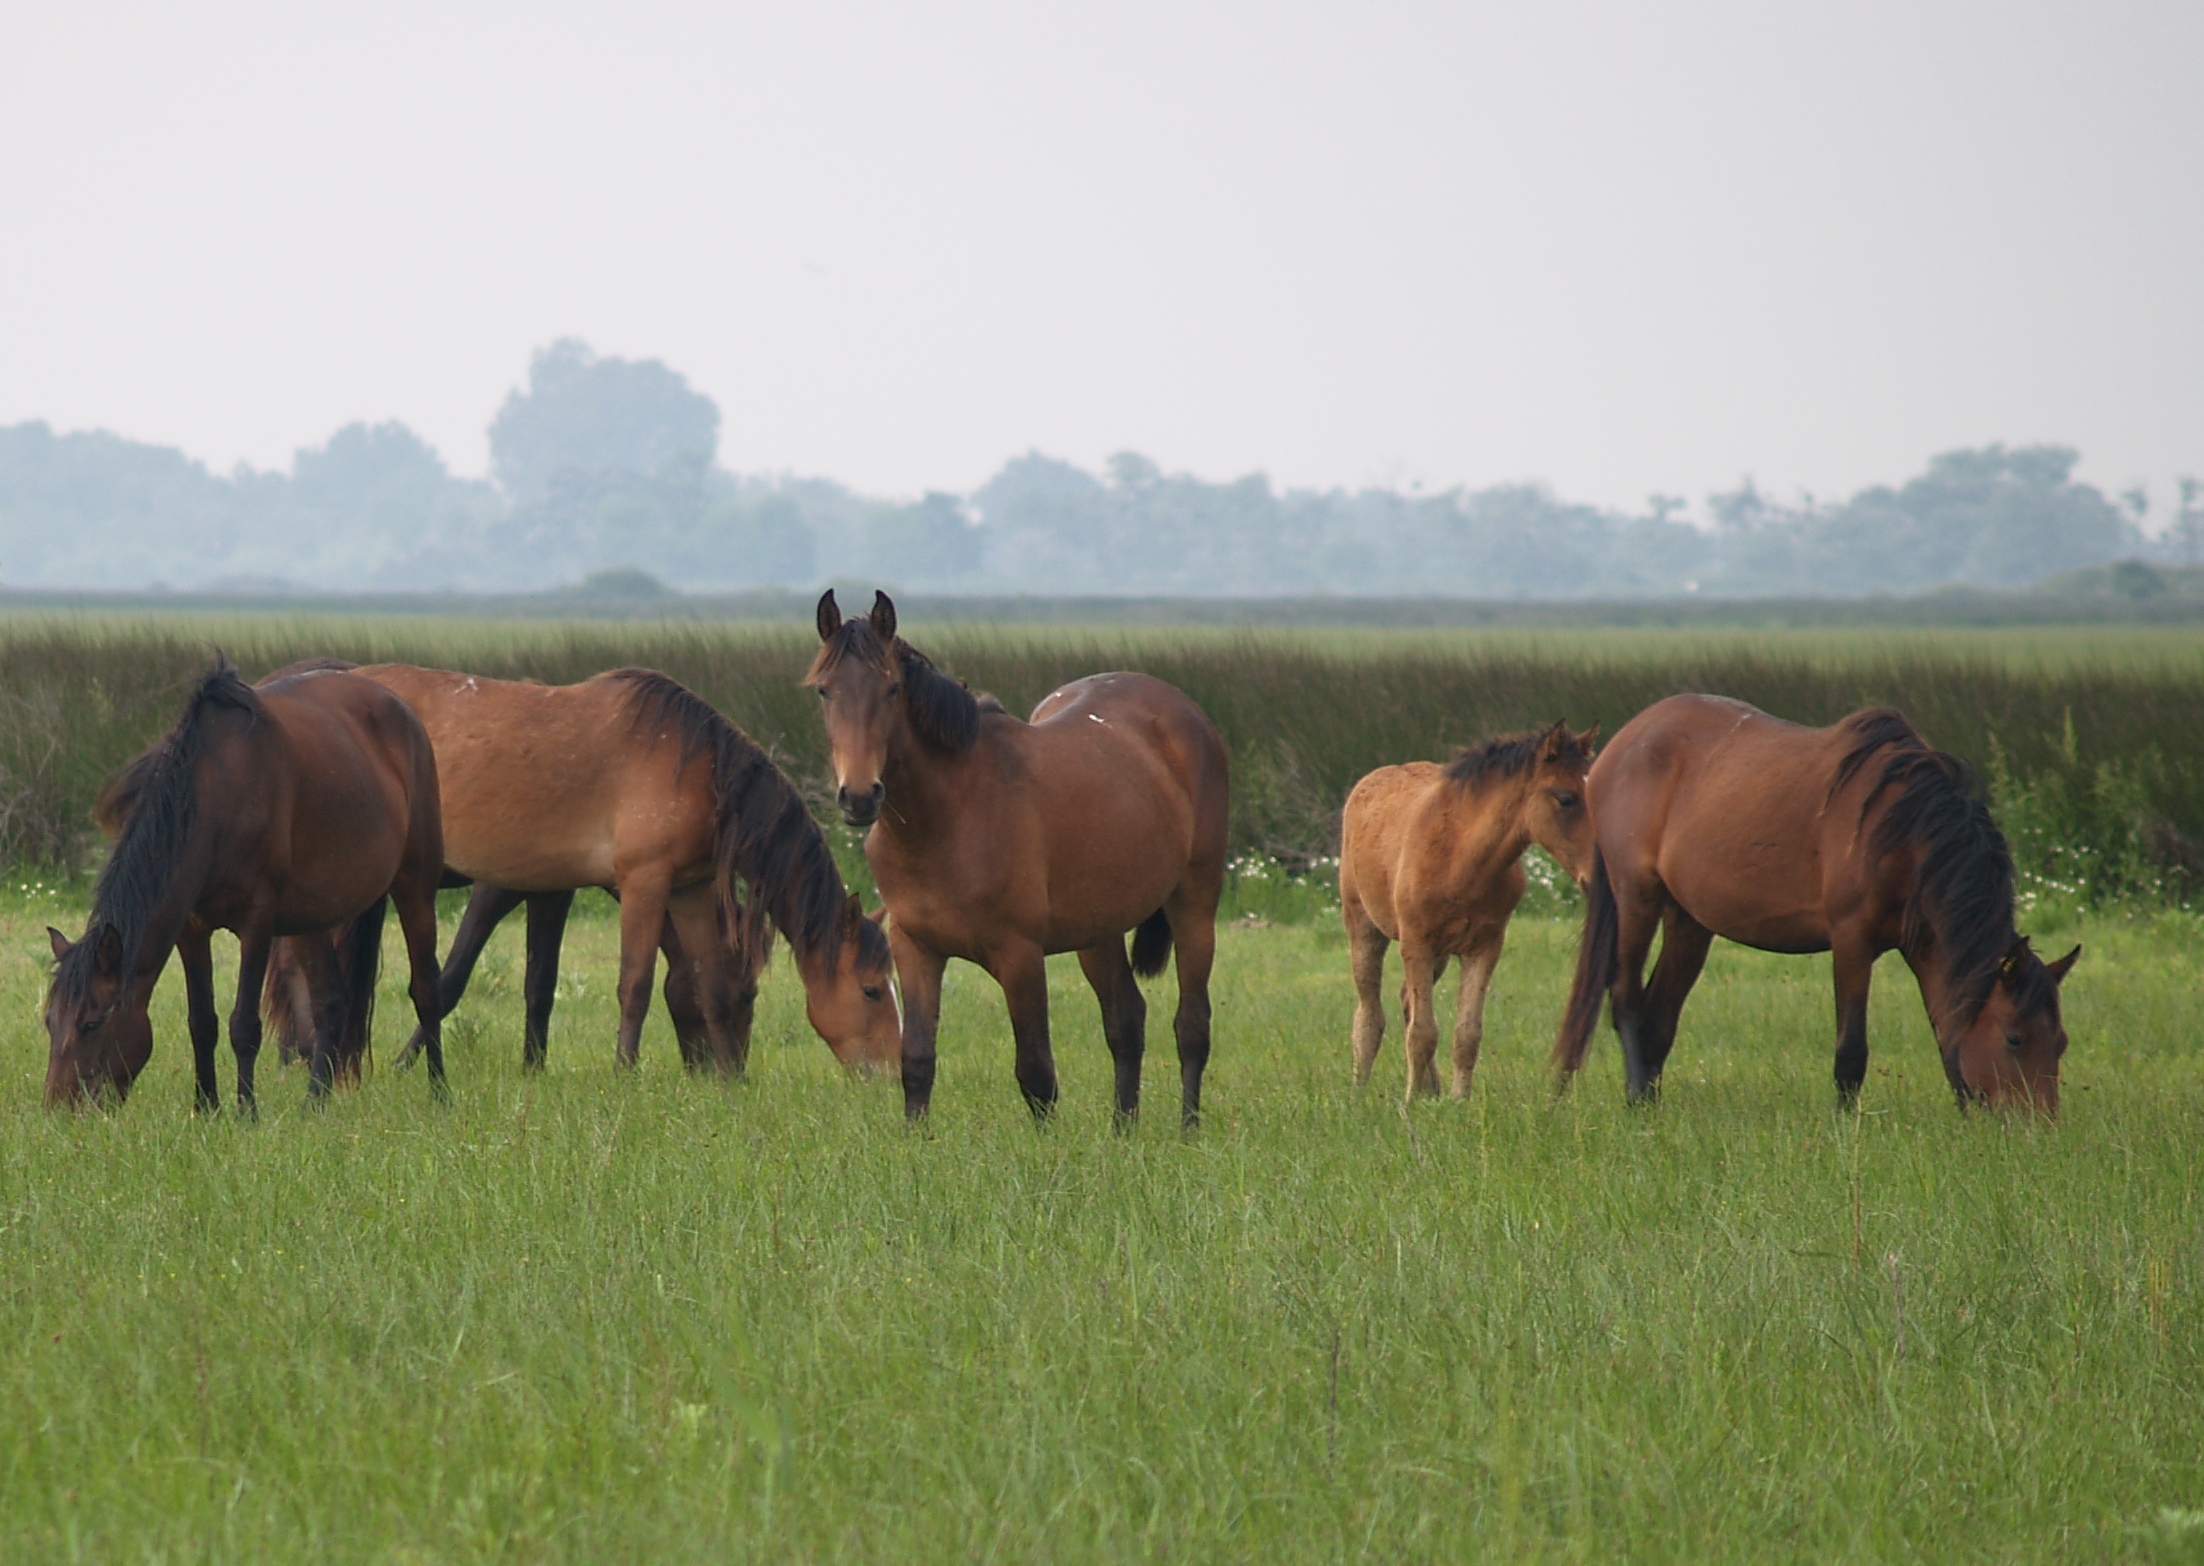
(861, 809)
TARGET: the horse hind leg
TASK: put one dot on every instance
(1366, 946)
(1637, 920)
(1420, 973)
(1124, 1018)
(416, 905)
(1194, 947)
(1684, 943)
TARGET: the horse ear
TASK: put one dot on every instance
(880, 916)
(61, 942)
(1550, 743)
(107, 961)
(1589, 739)
(2064, 965)
(883, 616)
(830, 615)
(853, 909)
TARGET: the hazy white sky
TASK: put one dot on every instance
(1618, 247)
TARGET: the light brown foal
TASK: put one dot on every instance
(1431, 856)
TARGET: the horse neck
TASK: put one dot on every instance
(922, 787)
(1929, 956)
(184, 882)
(1492, 831)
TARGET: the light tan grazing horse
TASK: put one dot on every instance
(631, 782)
(1431, 857)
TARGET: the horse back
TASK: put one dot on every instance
(547, 787)
(1729, 811)
(1378, 832)
(352, 793)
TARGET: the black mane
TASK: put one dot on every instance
(1963, 895)
(943, 711)
(762, 833)
(154, 800)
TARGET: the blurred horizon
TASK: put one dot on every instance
(603, 464)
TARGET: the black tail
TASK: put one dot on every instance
(1596, 956)
(1152, 944)
(359, 957)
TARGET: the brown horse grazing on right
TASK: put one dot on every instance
(1712, 818)
(290, 808)
(1000, 842)
(1431, 857)
(631, 782)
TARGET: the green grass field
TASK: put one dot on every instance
(589, 1317)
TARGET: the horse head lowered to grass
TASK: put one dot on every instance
(1712, 818)
(297, 807)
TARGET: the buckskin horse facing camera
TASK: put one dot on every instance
(1712, 818)
(1000, 842)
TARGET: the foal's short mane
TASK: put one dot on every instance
(943, 711)
(1479, 766)
(1964, 889)
(154, 800)
(762, 833)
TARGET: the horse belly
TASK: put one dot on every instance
(1755, 902)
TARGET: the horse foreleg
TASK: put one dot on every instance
(1366, 945)
(711, 1004)
(1194, 952)
(642, 918)
(1684, 943)
(1124, 1017)
(539, 985)
(253, 943)
(683, 1003)
(1420, 972)
(1022, 971)
(918, 976)
(206, 1028)
(1853, 966)
(1469, 1007)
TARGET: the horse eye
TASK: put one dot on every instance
(1565, 799)
(2012, 1041)
(819, 691)
(872, 992)
(92, 1027)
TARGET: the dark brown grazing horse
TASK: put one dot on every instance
(1000, 842)
(631, 782)
(293, 808)
(1712, 818)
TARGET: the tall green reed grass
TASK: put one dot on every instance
(2096, 766)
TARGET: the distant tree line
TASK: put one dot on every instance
(602, 462)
